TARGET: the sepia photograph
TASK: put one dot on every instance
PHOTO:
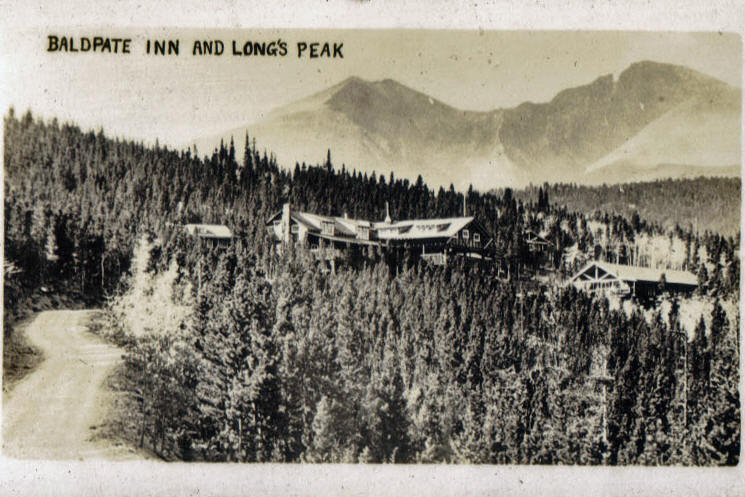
(372, 247)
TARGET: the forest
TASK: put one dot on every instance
(705, 202)
(269, 357)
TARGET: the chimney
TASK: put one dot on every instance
(387, 214)
(286, 210)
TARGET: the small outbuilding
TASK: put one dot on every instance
(536, 242)
(214, 234)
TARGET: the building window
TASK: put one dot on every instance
(476, 238)
(328, 228)
(294, 229)
(465, 234)
(277, 223)
(363, 232)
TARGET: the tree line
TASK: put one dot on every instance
(703, 203)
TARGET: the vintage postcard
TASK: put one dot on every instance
(488, 248)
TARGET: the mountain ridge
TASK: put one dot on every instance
(649, 117)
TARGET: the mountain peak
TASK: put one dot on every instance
(355, 82)
(660, 73)
(356, 94)
(352, 80)
(358, 80)
(653, 64)
(652, 113)
(390, 82)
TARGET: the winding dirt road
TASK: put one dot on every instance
(54, 411)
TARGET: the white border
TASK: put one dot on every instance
(99, 478)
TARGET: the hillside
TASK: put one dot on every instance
(702, 203)
(704, 131)
(653, 114)
(652, 117)
(626, 173)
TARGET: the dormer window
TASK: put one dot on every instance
(466, 234)
(476, 238)
(327, 227)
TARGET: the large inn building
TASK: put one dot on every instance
(435, 240)
(439, 240)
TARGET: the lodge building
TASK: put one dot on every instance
(639, 282)
(434, 240)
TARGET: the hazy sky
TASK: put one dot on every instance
(180, 98)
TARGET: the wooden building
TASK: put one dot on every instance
(640, 282)
(434, 240)
(540, 250)
(216, 235)
(535, 242)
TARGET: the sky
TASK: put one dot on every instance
(178, 99)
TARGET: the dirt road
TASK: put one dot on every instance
(54, 411)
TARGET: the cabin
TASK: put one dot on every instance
(434, 240)
(636, 281)
(215, 235)
(535, 242)
(540, 250)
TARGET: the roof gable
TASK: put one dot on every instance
(638, 273)
(535, 238)
(397, 230)
(422, 228)
(209, 230)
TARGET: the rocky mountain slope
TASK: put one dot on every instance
(656, 120)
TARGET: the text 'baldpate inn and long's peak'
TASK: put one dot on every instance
(217, 47)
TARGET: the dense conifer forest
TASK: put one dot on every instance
(706, 203)
(252, 354)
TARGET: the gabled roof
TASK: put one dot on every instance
(219, 231)
(638, 273)
(422, 228)
(342, 226)
(410, 229)
(276, 215)
(535, 238)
